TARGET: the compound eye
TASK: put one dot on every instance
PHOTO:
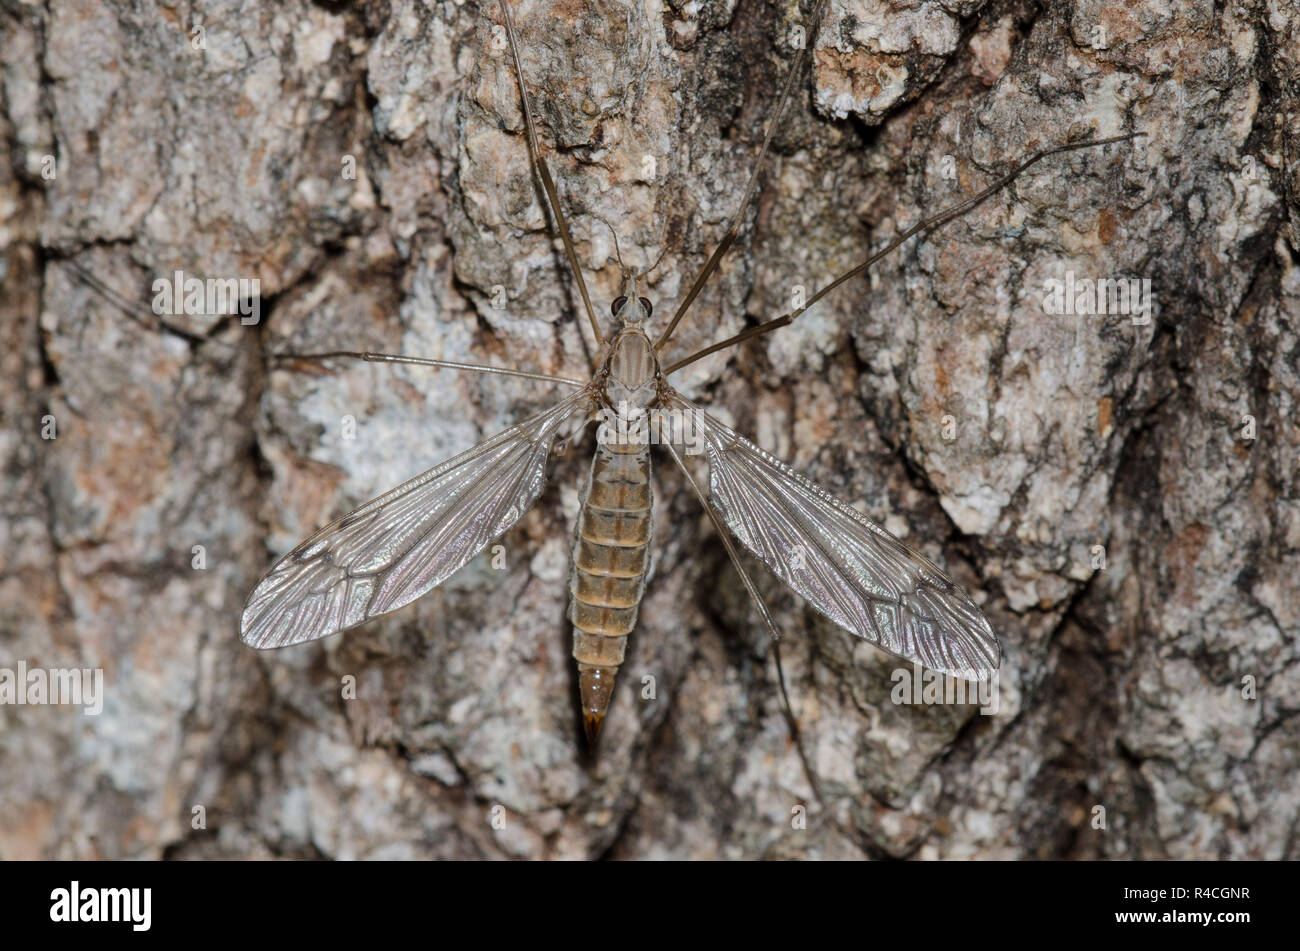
(646, 304)
(617, 305)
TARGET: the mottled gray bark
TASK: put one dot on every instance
(1093, 478)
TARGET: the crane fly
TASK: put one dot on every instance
(392, 550)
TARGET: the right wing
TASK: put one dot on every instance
(843, 564)
(395, 548)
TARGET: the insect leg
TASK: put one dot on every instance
(724, 533)
(730, 235)
(925, 225)
(372, 357)
(543, 172)
(788, 711)
(131, 308)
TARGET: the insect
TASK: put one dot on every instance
(399, 546)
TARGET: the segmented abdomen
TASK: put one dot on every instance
(611, 555)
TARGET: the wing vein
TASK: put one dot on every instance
(399, 545)
(847, 567)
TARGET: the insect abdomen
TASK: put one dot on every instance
(611, 555)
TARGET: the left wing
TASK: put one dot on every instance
(395, 548)
(847, 567)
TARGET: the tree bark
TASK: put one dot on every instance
(1121, 491)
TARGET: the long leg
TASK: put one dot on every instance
(724, 534)
(924, 225)
(730, 235)
(129, 308)
(132, 308)
(548, 184)
(372, 357)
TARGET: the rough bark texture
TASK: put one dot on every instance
(1092, 477)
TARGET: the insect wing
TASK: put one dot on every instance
(847, 567)
(397, 547)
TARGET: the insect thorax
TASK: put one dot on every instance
(632, 380)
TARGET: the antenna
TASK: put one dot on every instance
(663, 250)
(617, 252)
